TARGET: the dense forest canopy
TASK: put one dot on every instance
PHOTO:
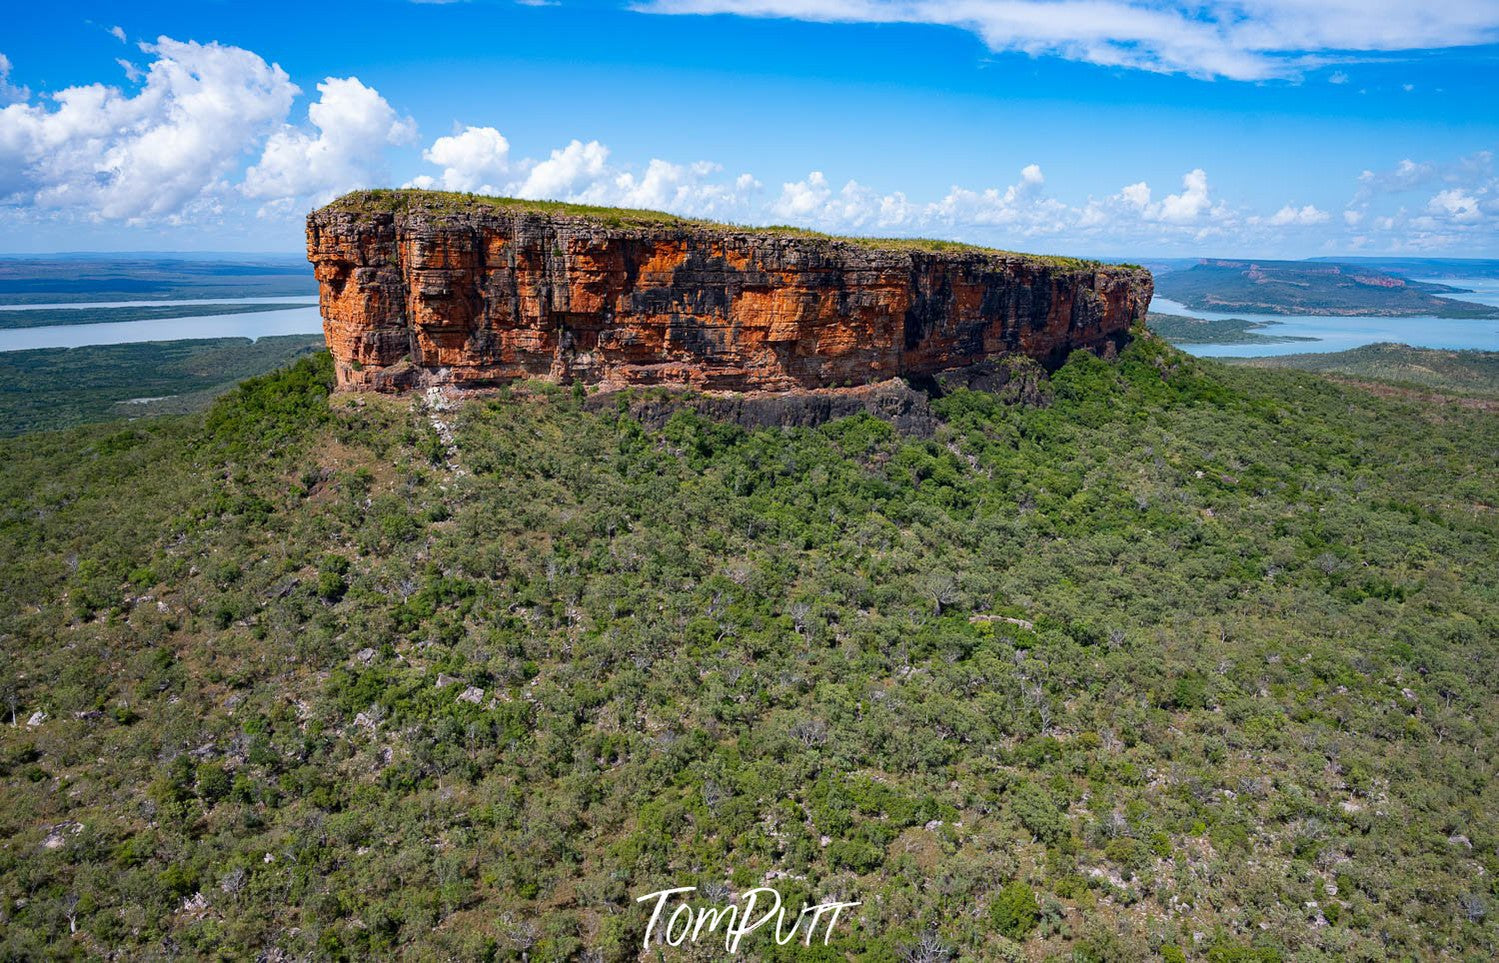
(1189, 662)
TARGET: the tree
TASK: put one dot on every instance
(1016, 910)
(941, 589)
(928, 948)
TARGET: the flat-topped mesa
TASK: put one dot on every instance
(423, 288)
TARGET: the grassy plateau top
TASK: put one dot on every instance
(386, 201)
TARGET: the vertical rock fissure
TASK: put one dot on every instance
(481, 295)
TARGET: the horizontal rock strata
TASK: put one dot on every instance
(420, 289)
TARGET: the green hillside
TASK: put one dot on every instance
(44, 388)
(1196, 662)
(1468, 372)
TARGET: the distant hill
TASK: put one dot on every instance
(150, 277)
(1312, 287)
(84, 313)
(1469, 372)
(1425, 267)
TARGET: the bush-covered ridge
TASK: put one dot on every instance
(1195, 663)
(1467, 372)
(452, 202)
(47, 388)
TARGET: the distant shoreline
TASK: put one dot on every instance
(1180, 329)
(84, 314)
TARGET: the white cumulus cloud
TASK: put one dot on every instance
(583, 173)
(1455, 204)
(1191, 203)
(568, 174)
(200, 132)
(10, 93)
(104, 153)
(474, 160)
(1462, 211)
(1185, 208)
(354, 125)
(1019, 210)
(1290, 215)
(694, 189)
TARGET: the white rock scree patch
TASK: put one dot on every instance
(688, 923)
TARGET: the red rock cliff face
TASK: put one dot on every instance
(470, 294)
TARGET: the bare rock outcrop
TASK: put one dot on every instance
(421, 289)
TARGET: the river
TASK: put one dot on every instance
(260, 324)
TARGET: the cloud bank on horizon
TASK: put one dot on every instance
(207, 133)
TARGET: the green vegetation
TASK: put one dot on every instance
(42, 317)
(1179, 329)
(138, 277)
(451, 202)
(1196, 663)
(55, 387)
(1016, 911)
(1310, 287)
(1464, 372)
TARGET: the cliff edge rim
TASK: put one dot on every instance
(403, 200)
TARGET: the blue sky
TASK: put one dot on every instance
(1270, 128)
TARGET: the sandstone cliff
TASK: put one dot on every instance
(421, 288)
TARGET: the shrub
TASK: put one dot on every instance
(1038, 812)
(1016, 910)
